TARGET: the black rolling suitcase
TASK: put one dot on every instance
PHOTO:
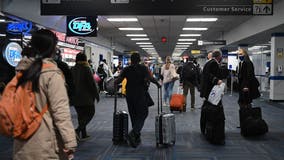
(120, 124)
(251, 122)
(165, 127)
(212, 123)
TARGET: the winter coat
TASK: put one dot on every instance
(56, 131)
(85, 86)
(247, 79)
(211, 74)
(168, 74)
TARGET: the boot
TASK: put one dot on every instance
(133, 139)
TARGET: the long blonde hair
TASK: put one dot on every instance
(168, 62)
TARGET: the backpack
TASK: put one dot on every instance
(189, 72)
(19, 117)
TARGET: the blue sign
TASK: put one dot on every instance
(12, 53)
(82, 26)
(19, 27)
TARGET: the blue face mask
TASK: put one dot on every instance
(241, 58)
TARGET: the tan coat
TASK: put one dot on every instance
(56, 131)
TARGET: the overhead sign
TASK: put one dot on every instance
(22, 27)
(213, 42)
(85, 26)
(195, 51)
(12, 53)
(152, 7)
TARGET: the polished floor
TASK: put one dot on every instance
(190, 144)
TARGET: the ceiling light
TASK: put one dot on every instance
(122, 19)
(195, 29)
(184, 43)
(190, 35)
(2, 20)
(182, 46)
(143, 43)
(140, 39)
(146, 46)
(201, 19)
(136, 35)
(2, 35)
(131, 29)
(184, 40)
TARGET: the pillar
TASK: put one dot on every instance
(276, 72)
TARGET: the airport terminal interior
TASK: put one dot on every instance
(113, 30)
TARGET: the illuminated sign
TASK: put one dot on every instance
(195, 51)
(23, 27)
(12, 53)
(62, 37)
(82, 26)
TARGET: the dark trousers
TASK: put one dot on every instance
(85, 115)
(138, 111)
(189, 86)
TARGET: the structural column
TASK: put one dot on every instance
(276, 72)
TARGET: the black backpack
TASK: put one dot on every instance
(190, 72)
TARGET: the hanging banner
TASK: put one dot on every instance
(156, 7)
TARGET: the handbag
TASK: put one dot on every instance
(149, 99)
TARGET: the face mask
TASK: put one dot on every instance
(241, 58)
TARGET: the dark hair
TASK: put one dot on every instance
(135, 58)
(42, 45)
(81, 57)
(2, 87)
(216, 54)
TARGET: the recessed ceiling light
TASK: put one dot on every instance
(143, 43)
(184, 43)
(140, 39)
(181, 46)
(190, 35)
(146, 46)
(195, 29)
(122, 19)
(184, 40)
(131, 29)
(136, 35)
(201, 19)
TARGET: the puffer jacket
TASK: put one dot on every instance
(56, 131)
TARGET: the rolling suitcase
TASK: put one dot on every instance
(177, 102)
(212, 123)
(120, 124)
(251, 122)
(165, 128)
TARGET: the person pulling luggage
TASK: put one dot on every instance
(137, 76)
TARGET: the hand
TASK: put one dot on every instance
(245, 89)
(219, 82)
(70, 153)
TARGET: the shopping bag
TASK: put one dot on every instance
(97, 78)
(216, 94)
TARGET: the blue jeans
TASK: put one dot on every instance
(168, 90)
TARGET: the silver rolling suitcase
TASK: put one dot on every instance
(165, 127)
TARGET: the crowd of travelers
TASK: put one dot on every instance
(59, 87)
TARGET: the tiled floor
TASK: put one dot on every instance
(190, 144)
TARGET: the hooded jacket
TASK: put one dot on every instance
(56, 131)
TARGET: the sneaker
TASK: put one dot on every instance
(164, 104)
(131, 141)
(192, 108)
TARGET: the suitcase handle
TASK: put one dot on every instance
(160, 100)
(115, 98)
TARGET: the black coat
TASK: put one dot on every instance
(247, 79)
(211, 74)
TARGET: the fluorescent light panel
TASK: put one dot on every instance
(131, 29)
(181, 46)
(143, 43)
(122, 19)
(136, 35)
(201, 19)
(2, 20)
(140, 39)
(195, 29)
(185, 40)
(190, 35)
(146, 46)
(184, 43)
